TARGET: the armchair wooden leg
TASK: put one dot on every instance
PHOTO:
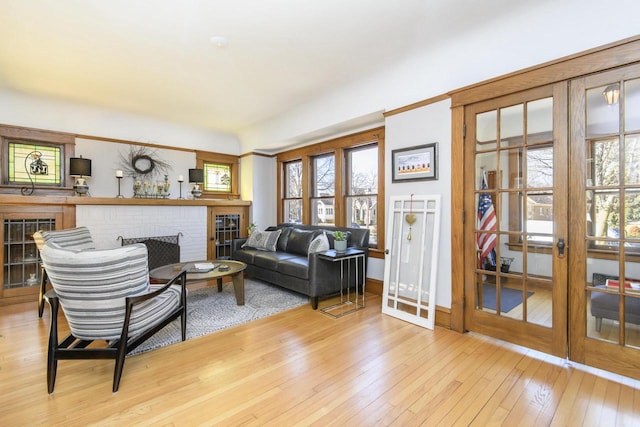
(183, 321)
(52, 363)
(43, 290)
(117, 374)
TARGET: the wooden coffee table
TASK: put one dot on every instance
(235, 271)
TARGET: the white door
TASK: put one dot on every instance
(410, 272)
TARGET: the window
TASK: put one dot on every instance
(362, 189)
(293, 192)
(335, 182)
(324, 187)
(33, 162)
(220, 174)
(217, 177)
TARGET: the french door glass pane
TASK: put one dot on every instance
(486, 130)
(632, 159)
(632, 104)
(540, 166)
(512, 125)
(540, 120)
(602, 118)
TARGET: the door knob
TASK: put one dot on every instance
(561, 245)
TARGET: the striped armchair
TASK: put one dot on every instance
(106, 295)
(78, 238)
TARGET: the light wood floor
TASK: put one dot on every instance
(303, 368)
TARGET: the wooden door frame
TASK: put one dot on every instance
(605, 57)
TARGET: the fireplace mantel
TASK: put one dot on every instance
(113, 201)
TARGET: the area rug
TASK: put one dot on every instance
(509, 298)
(209, 311)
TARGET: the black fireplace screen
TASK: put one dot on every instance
(162, 250)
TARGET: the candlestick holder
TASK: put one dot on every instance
(119, 196)
(180, 197)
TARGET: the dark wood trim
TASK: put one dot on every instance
(415, 105)
(598, 59)
(457, 220)
(336, 146)
(124, 141)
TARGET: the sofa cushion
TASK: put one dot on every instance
(270, 260)
(283, 239)
(299, 241)
(295, 266)
(319, 244)
(263, 240)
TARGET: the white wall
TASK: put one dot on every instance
(258, 184)
(425, 125)
(43, 113)
(106, 159)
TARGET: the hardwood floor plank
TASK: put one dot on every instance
(302, 367)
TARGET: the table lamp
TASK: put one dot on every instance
(196, 176)
(80, 168)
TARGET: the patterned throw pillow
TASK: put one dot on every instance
(263, 240)
(319, 244)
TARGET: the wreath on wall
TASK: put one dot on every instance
(143, 162)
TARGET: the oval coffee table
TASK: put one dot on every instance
(235, 271)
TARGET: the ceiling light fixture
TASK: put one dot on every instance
(219, 41)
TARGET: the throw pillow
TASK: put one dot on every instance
(319, 244)
(263, 240)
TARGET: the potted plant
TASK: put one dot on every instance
(250, 228)
(340, 243)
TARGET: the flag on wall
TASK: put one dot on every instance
(486, 222)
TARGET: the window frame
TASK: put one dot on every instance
(338, 147)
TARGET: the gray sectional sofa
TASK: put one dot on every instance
(291, 265)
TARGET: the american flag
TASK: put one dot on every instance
(487, 222)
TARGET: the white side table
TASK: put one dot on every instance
(347, 259)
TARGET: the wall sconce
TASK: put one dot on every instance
(196, 176)
(79, 168)
(612, 94)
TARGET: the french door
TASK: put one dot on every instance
(605, 226)
(552, 224)
(515, 224)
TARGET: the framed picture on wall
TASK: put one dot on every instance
(419, 163)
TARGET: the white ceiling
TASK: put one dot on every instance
(154, 57)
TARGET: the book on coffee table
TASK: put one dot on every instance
(204, 267)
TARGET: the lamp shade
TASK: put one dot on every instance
(196, 175)
(79, 166)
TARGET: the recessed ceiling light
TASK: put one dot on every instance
(219, 41)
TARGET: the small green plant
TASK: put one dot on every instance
(251, 227)
(339, 235)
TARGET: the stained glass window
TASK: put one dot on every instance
(217, 177)
(37, 163)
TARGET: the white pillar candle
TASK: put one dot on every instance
(180, 178)
(119, 174)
